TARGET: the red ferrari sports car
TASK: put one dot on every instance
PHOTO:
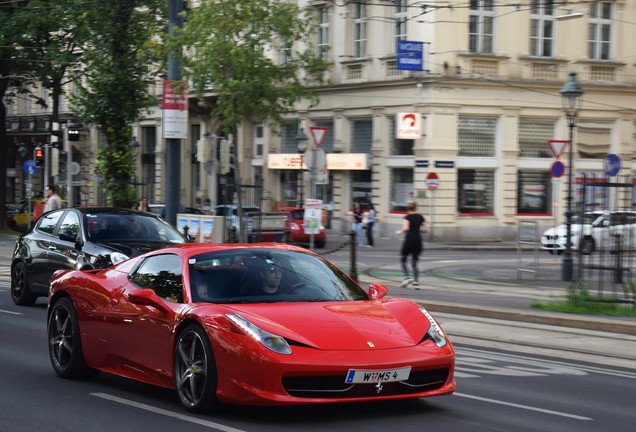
(264, 324)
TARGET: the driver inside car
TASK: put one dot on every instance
(271, 276)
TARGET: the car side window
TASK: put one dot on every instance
(162, 274)
(47, 223)
(70, 224)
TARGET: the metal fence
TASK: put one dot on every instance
(607, 252)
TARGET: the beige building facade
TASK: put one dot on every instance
(486, 99)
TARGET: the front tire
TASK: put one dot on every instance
(195, 371)
(20, 292)
(65, 344)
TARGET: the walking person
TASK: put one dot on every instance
(412, 225)
(371, 216)
(142, 205)
(53, 200)
(357, 222)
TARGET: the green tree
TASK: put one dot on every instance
(13, 73)
(257, 56)
(120, 62)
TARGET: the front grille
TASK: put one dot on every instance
(335, 386)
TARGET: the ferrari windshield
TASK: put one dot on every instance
(252, 275)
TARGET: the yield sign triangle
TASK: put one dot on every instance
(319, 134)
(557, 147)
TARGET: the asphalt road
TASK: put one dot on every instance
(511, 374)
(502, 385)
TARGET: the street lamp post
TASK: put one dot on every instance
(571, 93)
(301, 146)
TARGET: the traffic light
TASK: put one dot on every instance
(39, 156)
(57, 136)
(224, 160)
(203, 151)
(73, 134)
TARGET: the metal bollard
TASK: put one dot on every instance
(353, 272)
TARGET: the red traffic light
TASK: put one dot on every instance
(39, 156)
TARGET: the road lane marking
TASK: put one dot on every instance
(10, 312)
(526, 407)
(206, 423)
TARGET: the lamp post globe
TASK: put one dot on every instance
(571, 93)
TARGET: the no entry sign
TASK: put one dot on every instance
(432, 181)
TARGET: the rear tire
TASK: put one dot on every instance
(65, 343)
(20, 291)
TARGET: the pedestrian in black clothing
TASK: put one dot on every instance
(357, 223)
(412, 225)
(371, 215)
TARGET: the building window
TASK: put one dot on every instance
(398, 147)
(322, 41)
(288, 132)
(477, 137)
(481, 27)
(259, 140)
(361, 135)
(600, 30)
(400, 15)
(359, 30)
(327, 141)
(592, 140)
(401, 188)
(534, 192)
(476, 192)
(361, 188)
(286, 54)
(542, 28)
(533, 138)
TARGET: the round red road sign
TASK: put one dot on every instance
(432, 181)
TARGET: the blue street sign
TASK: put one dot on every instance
(410, 55)
(444, 164)
(612, 165)
(421, 164)
(30, 167)
(557, 169)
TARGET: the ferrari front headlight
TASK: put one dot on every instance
(273, 342)
(434, 331)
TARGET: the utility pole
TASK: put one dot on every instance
(173, 145)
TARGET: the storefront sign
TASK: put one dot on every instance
(408, 126)
(335, 161)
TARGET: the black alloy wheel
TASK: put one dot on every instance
(65, 344)
(195, 371)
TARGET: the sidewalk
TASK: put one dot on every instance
(505, 294)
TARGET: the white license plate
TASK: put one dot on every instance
(357, 376)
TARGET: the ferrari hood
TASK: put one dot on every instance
(342, 325)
